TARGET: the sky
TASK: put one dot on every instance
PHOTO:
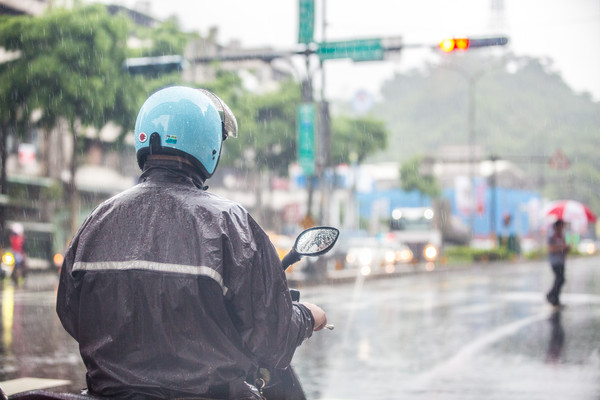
(565, 31)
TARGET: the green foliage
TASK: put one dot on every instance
(54, 192)
(267, 129)
(411, 178)
(267, 124)
(168, 38)
(356, 137)
(69, 66)
(465, 254)
(165, 39)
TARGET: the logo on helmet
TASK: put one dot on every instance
(142, 137)
(171, 139)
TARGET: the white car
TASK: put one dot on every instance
(587, 246)
(375, 255)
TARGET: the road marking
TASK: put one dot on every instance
(450, 365)
(19, 385)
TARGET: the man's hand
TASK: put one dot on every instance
(318, 315)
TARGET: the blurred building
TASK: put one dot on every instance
(477, 190)
(21, 7)
(454, 161)
(256, 74)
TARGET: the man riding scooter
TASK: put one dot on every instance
(172, 291)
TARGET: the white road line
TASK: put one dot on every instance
(421, 381)
(24, 384)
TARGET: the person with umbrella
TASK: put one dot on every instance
(557, 254)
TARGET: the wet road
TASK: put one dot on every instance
(482, 333)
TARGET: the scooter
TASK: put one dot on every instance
(274, 384)
(284, 384)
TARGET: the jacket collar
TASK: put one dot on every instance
(173, 171)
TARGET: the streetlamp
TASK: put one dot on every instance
(472, 78)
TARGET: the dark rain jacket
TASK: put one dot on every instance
(172, 291)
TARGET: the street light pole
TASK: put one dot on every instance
(472, 79)
(323, 29)
(324, 133)
(308, 97)
(471, 127)
(493, 201)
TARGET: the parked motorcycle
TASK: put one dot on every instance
(275, 384)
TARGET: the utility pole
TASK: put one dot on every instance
(324, 133)
(451, 45)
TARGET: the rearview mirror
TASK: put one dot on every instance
(312, 242)
(316, 241)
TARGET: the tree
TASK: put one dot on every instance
(13, 116)
(166, 38)
(413, 178)
(269, 125)
(359, 136)
(267, 141)
(272, 133)
(70, 68)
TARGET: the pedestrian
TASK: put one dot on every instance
(172, 291)
(557, 253)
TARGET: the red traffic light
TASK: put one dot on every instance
(463, 43)
(448, 45)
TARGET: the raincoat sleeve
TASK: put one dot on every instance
(67, 297)
(270, 324)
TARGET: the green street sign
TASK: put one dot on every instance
(306, 22)
(306, 137)
(357, 50)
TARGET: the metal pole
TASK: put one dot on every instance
(493, 202)
(307, 96)
(473, 162)
(324, 142)
(323, 28)
(471, 128)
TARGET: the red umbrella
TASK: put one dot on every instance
(574, 212)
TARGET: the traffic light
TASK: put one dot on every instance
(448, 45)
(464, 43)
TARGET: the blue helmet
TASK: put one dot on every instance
(192, 123)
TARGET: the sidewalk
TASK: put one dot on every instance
(351, 275)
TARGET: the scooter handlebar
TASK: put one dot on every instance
(295, 294)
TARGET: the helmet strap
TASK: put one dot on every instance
(155, 146)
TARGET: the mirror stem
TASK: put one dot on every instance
(290, 258)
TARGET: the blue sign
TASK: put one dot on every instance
(306, 137)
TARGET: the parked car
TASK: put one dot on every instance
(587, 246)
(371, 254)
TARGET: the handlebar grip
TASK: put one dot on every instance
(295, 294)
